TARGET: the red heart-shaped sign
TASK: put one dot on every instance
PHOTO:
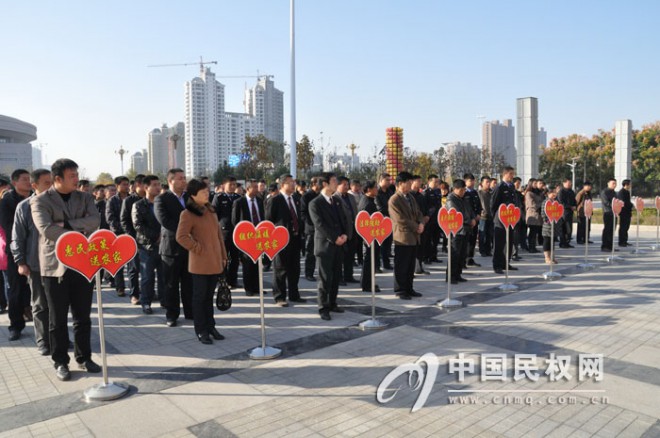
(101, 250)
(639, 203)
(509, 215)
(588, 208)
(265, 238)
(554, 210)
(450, 221)
(374, 227)
(657, 202)
(617, 206)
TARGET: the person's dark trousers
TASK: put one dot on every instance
(149, 261)
(72, 290)
(608, 228)
(358, 251)
(519, 238)
(404, 268)
(310, 258)
(202, 302)
(582, 229)
(532, 238)
(178, 284)
(329, 273)
(234, 259)
(459, 246)
(250, 275)
(548, 245)
(472, 242)
(431, 238)
(18, 295)
(303, 246)
(566, 229)
(286, 269)
(419, 259)
(162, 286)
(499, 249)
(624, 226)
(485, 236)
(365, 279)
(3, 291)
(133, 271)
(385, 251)
(120, 282)
(522, 235)
(445, 242)
(349, 255)
(39, 310)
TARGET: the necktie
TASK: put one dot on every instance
(255, 213)
(294, 216)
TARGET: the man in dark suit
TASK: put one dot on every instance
(505, 194)
(349, 207)
(626, 212)
(368, 204)
(407, 227)
(382, 198)
(284, 211)
(459, 243)
(174, 258)
(249, 208)
(330, 234)
(606, 197)
(472, 200)
(310, 258)
(113, 218)
(566, 197)
(133, 267)
(418, 196)
(223, 204)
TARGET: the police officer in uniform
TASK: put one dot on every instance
(505, 194)
(431, 235)
(223, 204)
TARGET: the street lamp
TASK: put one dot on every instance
(572, 165)
(121, 152)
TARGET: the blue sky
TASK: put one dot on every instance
(77, 69)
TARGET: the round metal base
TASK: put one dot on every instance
(614, 259)
(550, 276)
(507, 287)
(655, 247)
(447, 303)
(638, 251)
(586, 266)
(102, 392)
(265, 353)
(372, 324)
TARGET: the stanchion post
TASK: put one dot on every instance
(449, 302)
(614, 258)
(264, 352)
(373, 323)
(551, 275)
(507, 286)
(637, 208)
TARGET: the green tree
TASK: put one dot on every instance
(263, 155)
(304, 155)
(104, 178)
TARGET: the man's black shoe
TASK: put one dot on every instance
(204, 338)
(343, 283)
(310, 278)
(623, 245)
(498, 271)
(250, 294)
(404, 296)
(471, 262)
(512, 268)
(171, 322)
(14, 335)
(90, 366)
(298, 300)
(453, 281)
(43, 350)
(590, 242)
(422, 273)
(337, 309)
(516, 258)
(325, 315)
(216, 334)
(379, 271)
(62, 372)
(352, 280)
(369, 290)
(461, 279)
(413, 293)
(147, 309)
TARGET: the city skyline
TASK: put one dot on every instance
(441, 67)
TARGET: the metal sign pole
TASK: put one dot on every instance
(373, 323)
(614, 258)
(551, 275)
(507, 285)
(449, 302)
(586, 265)
(637, 250)
(657, 231)
(106, 390)
(263, 352)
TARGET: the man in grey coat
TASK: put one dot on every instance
(57, 210)
(25, 249)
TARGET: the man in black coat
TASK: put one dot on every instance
(349, 207)
(310, 258)
(503, 194)
(368, 204)
(223, 204)
(566, 197)
(330, 234)
(284, 211)
(606, 197)
(385, 192)
(471, 200)
(418, 196)
(133, 267)
(249, 208)
(459, 244)
(626, 212)
(432, 233)
(178, 281)
(113, 218)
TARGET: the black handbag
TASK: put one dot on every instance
(223, 299)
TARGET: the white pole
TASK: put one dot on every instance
(261, 304)
(552, 244)
(292, 135)
(507, 255)
(586, 241)
(99, 302)
(449, 266)
(373, 282)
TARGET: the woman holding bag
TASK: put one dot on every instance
(200, 234)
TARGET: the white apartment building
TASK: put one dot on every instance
(499, 138)
(265, 103)
(139, 161)
(161, 155)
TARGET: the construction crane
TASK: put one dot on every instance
(201, 64)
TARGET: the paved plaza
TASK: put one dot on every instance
(326, 381)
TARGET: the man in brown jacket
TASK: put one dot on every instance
(407, 225)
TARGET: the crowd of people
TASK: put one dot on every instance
(184, 231)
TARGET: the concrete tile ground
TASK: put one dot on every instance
(325, 383)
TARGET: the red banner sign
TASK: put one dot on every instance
(265, 238)
(101, 250)
(639, 203)
(588, 208)
(450, 221)
(617, 206)
(374, 227)
(509, 215)
(554, 210)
